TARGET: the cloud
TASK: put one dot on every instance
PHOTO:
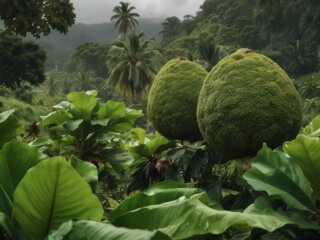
(97, 11)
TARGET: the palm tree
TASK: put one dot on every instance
(86, 80)
(66, 85)
(51, 87)
(125, 18)
(133, 64)
(208, 52)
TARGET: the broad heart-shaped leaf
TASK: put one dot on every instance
(155, 143)
(50, 194)
(195, 214)
(280, 176)
(10, 127)
(15, 160)
(83, 104)
(116, 156)
(313, 129)
(89, 230)
(72, 125)
(306, 151)
(132, 115)
(111, 110)
(56, 118)
(139, 134)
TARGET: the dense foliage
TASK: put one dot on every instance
(91, 57)
(287, 31)
(35, 17)
(21, 60)
(173, 98)
(133, 63)
(91, 168)
(245, 101)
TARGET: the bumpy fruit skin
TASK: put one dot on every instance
(173, 97)
(245, 101)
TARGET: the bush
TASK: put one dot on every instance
(246, 100)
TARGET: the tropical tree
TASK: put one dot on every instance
(170, 29)
(21, 60)
(51, 87)
(208, 52)
(66, 85)
(133, 63)
(125, 18)
(86, 80)
(91, 57)
(35, 17)
(301, 58)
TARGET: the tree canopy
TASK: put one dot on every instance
(21, 60)
(35, 16)
(288, 31)
(125, 17)
(91, 57)
(133, 64)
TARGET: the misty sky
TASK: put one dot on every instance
(98, 11)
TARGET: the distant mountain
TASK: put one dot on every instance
(102, 32)
(60, 46)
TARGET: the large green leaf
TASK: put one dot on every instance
(86, 170)
(156, 194)
(15, 160)
(56, 117)
(72, 125)
(132, 115)
(190, 215)
(116, 156)
(111, 110)
(280, 176)
(10, 127)
(306, 150)
(155, 143)
(83, 104)
(50, 194)
(313, 129)
(119, 125)
(89, 230)
(139, 134)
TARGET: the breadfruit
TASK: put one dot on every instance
(173, 97)
(245, 101)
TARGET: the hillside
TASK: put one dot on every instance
(102, 32)
(60, 46)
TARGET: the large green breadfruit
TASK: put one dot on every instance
(245, 101)
(173, 97)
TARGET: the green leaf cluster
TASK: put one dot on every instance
(89, 129)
